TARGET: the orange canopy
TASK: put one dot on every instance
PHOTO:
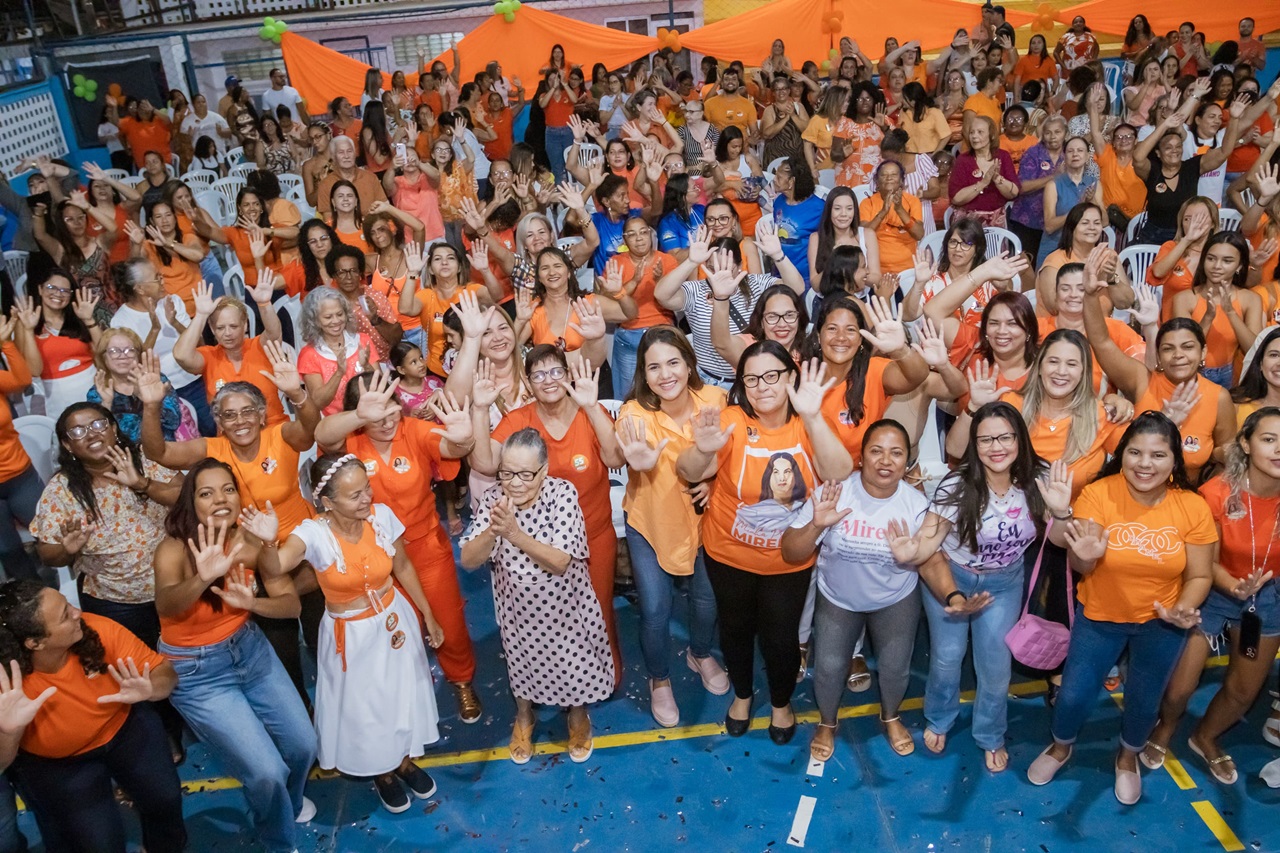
(801, 24)
(321, 74)
(523, 46)
(1217, 20)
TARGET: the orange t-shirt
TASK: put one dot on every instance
(897, 246)
(746, 516)
(1121, 185)
(72, 722)
(431, 98)
(272, 476)
(1130, 342)
(63, 355)
(120, 246)
(874, 402)
(1246, 537)
(180, 276)
(238, 238)
(1146, 553)
(13, 459)
(403, 480)
(1049, 439)
(575, 457)
(355, 239)
(507, 237)
(1036, 68)
(219, 370)
(144, 136)
(1178, 279)
(201, 625)
(650, 312)
(558, 110)
(391, 289)
(540, 328)
(1197, 430)
(502, 124)
(432, 319)
(983, 105)
(1221, 346)
(1017, 147)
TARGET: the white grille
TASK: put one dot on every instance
(32, 128)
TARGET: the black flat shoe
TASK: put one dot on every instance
(736, 728)
(782, 734)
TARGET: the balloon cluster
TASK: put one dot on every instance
(1045, 19)
(832, 56)
(834, 22)
(272, 30)
(84, 88)
(669, 38)
(507, 9)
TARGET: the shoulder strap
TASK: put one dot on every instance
(1035, 572)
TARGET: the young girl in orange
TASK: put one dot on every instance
(1230, 315)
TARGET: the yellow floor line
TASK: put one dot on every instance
(1217, 825)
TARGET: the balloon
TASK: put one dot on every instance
(834, 23)
(91, 85)
(114, 90)
(1045, 22)
(78, 80)
(515, 5)
(91, 96)
(280, 27)
(268, 22)
(826, 65)
(1045, 9)
(833, 53)
(266, 33)
(275, 37)
(78, 91)
(509, 17)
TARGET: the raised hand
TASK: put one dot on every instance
(1003, 268)
(148, 386)
(377, 400)
(471, 214)
(807, 397)
(85, 301)
(1146, 307)
(570, 195)
(767, 238)
(102, 382)
(524, 304)
(237, 590)
(7, 326)
(75, 535)
(932, 346)
(721, 276)
(154, 235)
(262, 523)
(474, 319)
(581, 384)
(205, 302)
(283, 373)
(135, 685)
(484, 385)
(1185, 397)
(1086, 539)
(258, 243)
(414, 257)
(211, 561)
(1055, 487)
(1198, 225)
(983, 383)
(611, 281)
(889, 335)
(708, 437)
(27, 312)
(1095, 277)
(904, 545)
(700, 246)
(1179, 615)
(590, 323)
(639, 453)
(125, 473)
(826, 510)
(479, 256)
(16, 710)
(455, 417)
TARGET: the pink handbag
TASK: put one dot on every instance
(1036, 642)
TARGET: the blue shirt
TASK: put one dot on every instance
(796, 222)
(610, 236)
(674, 232)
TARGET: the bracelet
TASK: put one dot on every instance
(1071, 513)
(305, 396)
(781, 257)
(143, 490)
(953, 594)
(92, 325)
(718, 299)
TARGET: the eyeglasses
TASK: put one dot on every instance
(718, 220)
(506, 173)
(787, 317)
(957, 243)
(116, 352)
(346, 273)
(242, 415)
(1004, 439)
(522, 476)
(540, 376)
(769, 377)
(1127, 137)
(100, 425)
(50, 287)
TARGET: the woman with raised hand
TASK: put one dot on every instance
(57, 343)
(663, 534)
(176, 254)
(984, 517)
(116, 356)
(1228, 313)
(765, 451)
(234, 356)
(375, 707)
(231, 689)
(401, 456)
(530, 530)
(580, 438)
(335, 350)
(635, 273)
(449, 277)
(374, 317)
(1144, 542)
(76, 246)
(1175, 265)
(75, 715)
(1242, 605)
(964, 273)
(1081, 230)
(860, 586)
(779, 314)
(1201, 410)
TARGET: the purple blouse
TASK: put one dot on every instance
(966, 173)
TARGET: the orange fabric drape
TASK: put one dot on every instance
(321, 74)
(1218, 20)
(798, 23)
(524, 45)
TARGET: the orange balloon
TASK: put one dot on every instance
(1045, 22)
(1045, 10)
(114, 90)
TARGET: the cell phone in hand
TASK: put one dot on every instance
(400, 150)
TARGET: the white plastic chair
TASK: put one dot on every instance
(115, 174)
(1135, 225)
(1228, 219)
(235, 156)
(15, 263)
(133, 181)
(617, 478)
(822, 191)
(933, 243)
(228, 188)
(929, 455)
(288, 182)
(293, 307)
(199, 179)
(243, 171)
(233, 281)
(997, 238)
(772, 168)
(1109, 234)
(39, 439)
(1113, 78)
(1135, 258)
(217, 206)
(862, 193)
(588, 153)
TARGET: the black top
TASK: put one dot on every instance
(1164, 201)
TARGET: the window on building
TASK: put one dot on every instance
(406, 48)
(252, 64)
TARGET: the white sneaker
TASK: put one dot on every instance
(308, 811)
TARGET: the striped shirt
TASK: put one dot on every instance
(697, 311)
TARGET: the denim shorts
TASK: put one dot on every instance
(1221, 610)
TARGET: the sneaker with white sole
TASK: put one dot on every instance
(392, 794)
(662, 704)
(714, 678)
(307, 813)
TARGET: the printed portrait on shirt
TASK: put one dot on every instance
(783, 476)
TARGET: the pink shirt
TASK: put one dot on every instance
(319, 360)
(418, 197)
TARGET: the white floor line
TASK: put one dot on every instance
(815, 767)
(800, 825)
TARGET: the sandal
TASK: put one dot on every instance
(581, 743)
(1226, 776)
(904, 745)
(1156, 761)
(823, 751)
(804, 653)
(859, 679)
(1271, 726)
(997, 760)
(521, 746)
(934, 742)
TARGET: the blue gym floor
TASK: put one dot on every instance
(648, 788)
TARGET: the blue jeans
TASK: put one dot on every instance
(11, 839)
(949, 640)
(558, 139)
(19, 498)
(194, 393)
(238, 699)
(1154, 648)
(212, 273)
(1218, 375)
(626, 342)
(417, 337)
(656, 589)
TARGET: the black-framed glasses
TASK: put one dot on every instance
(774, 319)
(718, 220)
(99, 425)
(769, 377)
(957, 243)
(346, 273)
(505, 476)
(1004, 439)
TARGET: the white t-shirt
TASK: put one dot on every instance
(1007, 529)
(286, 97)
(1211, 183)
(109, 135)
(207, 126)
(140, 322)
(477, 150)
(856, 569)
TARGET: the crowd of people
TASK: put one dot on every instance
(759, 290)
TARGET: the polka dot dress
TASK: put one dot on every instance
(553, 633)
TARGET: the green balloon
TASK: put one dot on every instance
(281, 26)
(91, 96)
(91, 85)
(275, 37)
(78, 80)
(78, 91)
(497, 8)
(268, 22)
(515, 5)
(266, 33)
(509, 17)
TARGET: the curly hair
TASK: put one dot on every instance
(79, 480)
(20, 621)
